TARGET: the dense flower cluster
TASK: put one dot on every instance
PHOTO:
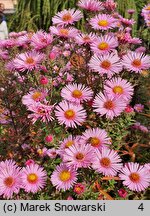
(68, 78)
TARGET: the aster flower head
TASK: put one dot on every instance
(41, 112)
(41, 40)
(34, 96)
(103, 22)
(79, 188)
(10, 178)
(96, 137)
(63, 178)
(70, 114)
(108, 64)
(82, 38)
(135, 177)
(138, 107)
(136, 62)
(28, 61)
(78, 155)
(104, 44)
(67, 17)
(33, 178)
(76, 93)
(90, 5)
(64, 32)
(108, 105)
(107, 162)
(119, 87)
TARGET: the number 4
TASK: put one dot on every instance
(141, 207)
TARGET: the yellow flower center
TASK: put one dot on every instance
(64, 32)
(69, 143)
(65, 175)
(109, 105)
(69, 114)
(67, 17)
(103, 46)
(105, 64)
(103, 23)
(36, 96)
(32, 178)
(79, 156)
(134, 177)
(105, 162)
(9, 181)
(118, 90)
(77, 93)
(94, 141)
(29, 60)
(147, 8)
(136, 63)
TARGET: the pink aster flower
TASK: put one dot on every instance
(69, 114)
(76, 93)
(147, 167)
(52, 153)
(64, 32)
(33, 178)
(29, 162)
(109, 105)
(119, 87)
(40, 112)
(136, 62)
(79, 188)
(63, 177)
(66, 17)
(138, 107)
(78, 155)
(107, 162)
(110, 5)
(104, 44)
(108, 64)
(135, 177)
(96, 137)
(28, 61)
(90, 5)
(103, 22)
(85, 38)
(41, 40)
(10, 178)
(33, 96)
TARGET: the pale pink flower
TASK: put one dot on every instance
(41, 40)
(40, 112)
(110, 5)
(107, 162)
(136, 62)
(64, 32)
(70, 114)
(66, 17)
(10, 178)
(76, 93)
(119, 87)
(103, 22)
(135, 177)
(90, 5)
(104, 44)
(33, 178)
(108, 105)
(85, 38)
(78, 155)
(36, 95)
(96, 137)
(63, 177)
(108, 64)
(28, 61)
(52, 153)
(138, 107)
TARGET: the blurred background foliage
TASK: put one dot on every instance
(31, 15)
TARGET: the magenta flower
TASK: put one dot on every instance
(69, 114)
(66, 17)
(135, 177)
(10, 178)
(79, 188)
(107, 162)
(90, 5)
(63, 177)
(122, 193)
(33, 178)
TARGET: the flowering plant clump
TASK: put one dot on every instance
(74, 123)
